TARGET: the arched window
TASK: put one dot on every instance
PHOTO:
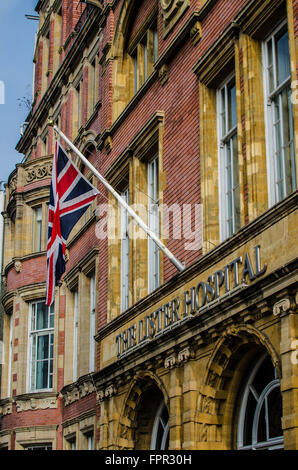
(160, 432)
(259, 424)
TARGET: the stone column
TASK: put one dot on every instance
(190, 393)
(175, 396)
(289, 367)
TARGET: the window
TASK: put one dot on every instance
(93, 84)
(75, 335)
(78, 108)
(280, 127)
(37, 229)
(228, 159)
(261, 409)
(160, 433)
(90, 441)
(153, 223)
(73, 444)
(92, 324)
(39, 447)
(41, 334)
(124, 254)
(144, 55)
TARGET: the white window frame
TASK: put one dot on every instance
(76, 333)
(158, 420)
(223, 137)
(270, 443)
(124, 253)
(90, 441)
(273, 197)
(37, 228)
(92, 324)
(37, 333)
(153, 224)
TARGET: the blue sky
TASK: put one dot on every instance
(16, 72)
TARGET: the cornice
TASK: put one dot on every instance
(82, 265)
(218, 55)
(27, 292)
(108, 132)
(75, 391)
(150, 126)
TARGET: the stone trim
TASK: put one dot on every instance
(5, 407)
(172, 11)
(218, 56)
(80, 389)
(28, 402)
(86, 265)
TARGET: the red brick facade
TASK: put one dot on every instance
(178, 98)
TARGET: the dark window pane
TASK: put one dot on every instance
(42, 316)
(43, 347)
(249, 416)
(232, 105)
(283, 57)
(262, 426)
(42, 375)
(264, 376)
(275, 413)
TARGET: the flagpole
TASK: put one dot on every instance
(180, 266)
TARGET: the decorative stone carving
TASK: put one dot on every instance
(71, 396)
(13, 184)
(170, 362)
(108, 144)
(185, 355)
(163, 74)
(100, 395)
(107, 393)
(66, 255)
(171, 11)
(38, 172)
(36, 404)
(77, 391)
(18, 266)
(282, 306)
(110, 391)
(6, 409)
(196, 33)
(86, 389)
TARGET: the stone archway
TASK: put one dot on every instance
(227, 366)
(140, 407)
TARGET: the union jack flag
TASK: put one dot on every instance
(70, 196)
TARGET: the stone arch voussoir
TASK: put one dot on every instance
(217, 393)
(128, 417)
